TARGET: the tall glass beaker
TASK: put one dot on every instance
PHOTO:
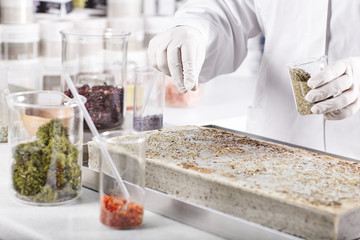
(127, 150)
(96, 61)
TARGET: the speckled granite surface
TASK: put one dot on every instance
(303, 193)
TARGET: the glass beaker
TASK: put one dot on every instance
(149, 99)
(300, 72)
(46, 138)
(127, 150)
(96, 61)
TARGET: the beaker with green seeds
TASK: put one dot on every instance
(300, 72)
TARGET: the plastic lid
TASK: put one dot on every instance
(133, 25)
(150, 8)
(50, 29)
(157, 24)
(90, 23)
(17, 3)
(159, 7)
(20, 33)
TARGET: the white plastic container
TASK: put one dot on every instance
(154, 25)
(16, 11)
(124, 8)
(52, 74)
(133, 25)
(159, 7)
(25, 74)
(50, 37)
(20, 41)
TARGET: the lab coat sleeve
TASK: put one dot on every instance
(226, 25)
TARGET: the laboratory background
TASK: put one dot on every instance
(95, 143)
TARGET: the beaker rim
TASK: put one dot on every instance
(95, 32)
(307, 60)
(111, 136)
(67, 102)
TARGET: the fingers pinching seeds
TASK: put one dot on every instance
(175, 66)
(188, 59)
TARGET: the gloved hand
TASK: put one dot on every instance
(341, 81)
(179, 53)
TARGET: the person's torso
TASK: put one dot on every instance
(295, 30)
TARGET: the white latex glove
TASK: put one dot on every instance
(180, 54)
(340, 80)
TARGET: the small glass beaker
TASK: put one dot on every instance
(46, 138)
(96, 61)
(300, 72)
(149, 99)
(127, 150)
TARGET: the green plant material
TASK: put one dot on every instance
(47, 169)
(299, 80)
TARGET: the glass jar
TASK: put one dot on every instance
(149, 99)
(16, 11)
(154, 25)
(96, 61)
(19, 41)
(133, 25)
(46, 138)
(127, 150)
(50, 38)
(123, 8)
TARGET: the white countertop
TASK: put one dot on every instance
(224, 103)
(79, 220)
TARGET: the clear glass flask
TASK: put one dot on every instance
(96, 61)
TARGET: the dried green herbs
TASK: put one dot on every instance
(299, 80)
(47, 169)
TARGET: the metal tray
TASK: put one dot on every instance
(197, 216)
(201, 217)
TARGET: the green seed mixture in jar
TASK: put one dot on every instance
(46, 170)
(299, 80)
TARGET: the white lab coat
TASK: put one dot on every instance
(293, 30)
